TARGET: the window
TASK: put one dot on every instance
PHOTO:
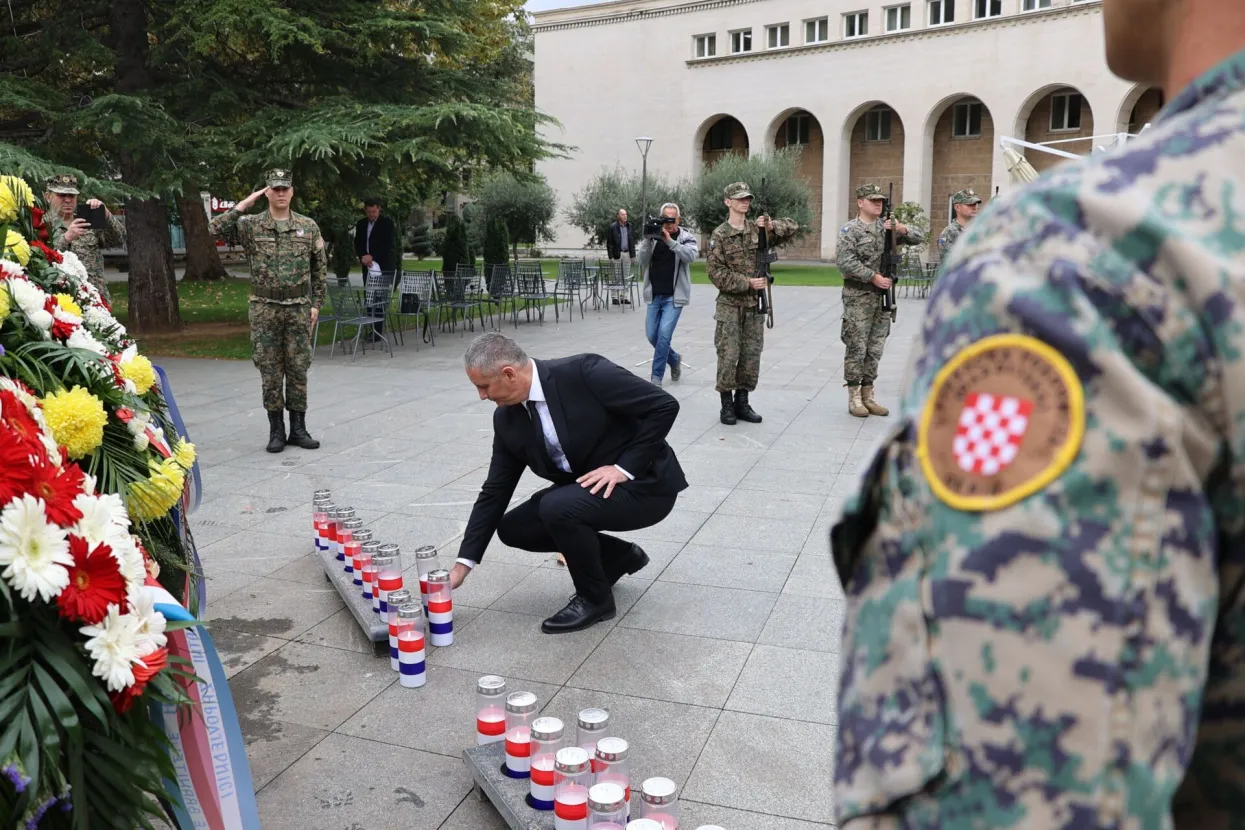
(706, 46)
(797, 130)
(966, 120)
(898, 18)
(721, 135)
(987, 8)
(878, 125)
(1065, 111)
(817, 31)
(741, 41)
(1034, 5)
(856, 24)
(941, 11)
(778, 36)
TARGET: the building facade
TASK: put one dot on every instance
(914, 93)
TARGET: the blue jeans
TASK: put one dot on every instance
(663, 316)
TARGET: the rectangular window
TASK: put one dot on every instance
(987, 8)
(878, 125)
(941, 11)
(706, 46)
(797, 130)
(741, 41)
(966, 120)
(1034, 5)
(898, 18)
(778, 36)
(856, 24)
(720, 135)
(817, 31)
(1065, 111)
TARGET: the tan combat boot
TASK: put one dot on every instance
(871, 404)
(854, 404)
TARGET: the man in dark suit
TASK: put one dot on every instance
(598, 433)
(620, 246)
(374, 243)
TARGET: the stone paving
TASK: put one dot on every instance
(720, 669)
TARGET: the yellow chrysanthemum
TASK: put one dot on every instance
(67, 304)
(184, 454)
(14, 195)
(76, 419)
(138, 369)
(16, 245)
(155, 496)
(5, 305)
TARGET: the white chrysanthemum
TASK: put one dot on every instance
(72, 266)
(129, 386)
(31, 299)
(103, 518)
(8, 268)
(141, 441)
(97, 317)
(150, 621)
(114, 646)
(129, 559)
(83, 339)
(34, 551)
(88, 484)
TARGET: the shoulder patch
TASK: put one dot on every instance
(1003, 419)
(844, 229)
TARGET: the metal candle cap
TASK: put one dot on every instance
(354, 524)
(709, 827)
(611, 750)
(644, 824)
(547, 729)
(320, 494)
(571, 761)
(390, 549)
(521, 703)
(363, 535)
(380, 560)
(491, 685)
(400, 597)
(425, 552)
(334, 512)
(346, 512)
(438, 576)
(658, 791)
(330, 507)
(409, 610)
(606, 798)
(593, 719)
(370, 548)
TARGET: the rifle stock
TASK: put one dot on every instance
(888, 256)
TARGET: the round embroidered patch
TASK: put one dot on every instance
(1003, 419)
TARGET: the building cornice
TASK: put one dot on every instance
(624, 11)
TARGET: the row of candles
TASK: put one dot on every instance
(586, 784)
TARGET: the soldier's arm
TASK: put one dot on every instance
(914, 236)
(114, 236)
(224, 225)
(58, 228)
(719, 270)
(848, 260)
(319, 269)
(782, 229)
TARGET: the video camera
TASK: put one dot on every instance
(654, 224)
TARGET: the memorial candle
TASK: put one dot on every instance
(343, 515)
(573, 770)
(425, 562)
(388, 574)
(490, 710)
(368, 552)
(643, 824)
(349, 528)
(659, 802)
(440, 609)
(591, 728)
(520, 712)
(411, 644)
(547, 739)
(610, 766)
(607, 807)
(396, 598)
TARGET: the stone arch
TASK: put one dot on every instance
(1138, 108)
(1057, 112)
(873, 135)
(718, 135)
(799, 127)
(959, 133)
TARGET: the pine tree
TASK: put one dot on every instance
(421, 240)
(456, 250)
(496, 241)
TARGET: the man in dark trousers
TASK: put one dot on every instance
(612, 471)
(374, 244)
(620, 247)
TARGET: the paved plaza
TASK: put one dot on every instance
(721, 667)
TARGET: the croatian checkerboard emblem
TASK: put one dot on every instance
(1003, 419)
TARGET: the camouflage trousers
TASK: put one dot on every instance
(865, 327)
(281, 350)
(738, 338)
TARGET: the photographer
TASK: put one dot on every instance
(666, 256)
(76, 234)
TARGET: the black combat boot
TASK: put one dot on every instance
(742, 410)
(298, 432)
(728, 409)
(276, 431)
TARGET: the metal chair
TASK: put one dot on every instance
(378, 295)
(615, 285)
(501, 290)
(529, 288)
(570, 287)
(459, 295)
(350, 313)
(415, 291)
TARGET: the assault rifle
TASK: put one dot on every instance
(765, 297)
(888, 269)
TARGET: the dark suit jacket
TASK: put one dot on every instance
(613, 240)
(382, 246)
(603, 415)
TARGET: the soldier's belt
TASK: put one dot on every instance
(280, 292)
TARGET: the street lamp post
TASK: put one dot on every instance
(643, 142)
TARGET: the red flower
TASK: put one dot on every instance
(61, 330)
(50, 254)
(58, 487)
(95, 582)
(152, 664)
(15, 416)
(41, 229)
(15, 467)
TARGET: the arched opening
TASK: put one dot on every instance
(801, 129)
(1140, 108)
(1061, 115)
(875, 136)
(722, 134)
(963, 156)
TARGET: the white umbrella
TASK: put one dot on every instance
(1020, 168)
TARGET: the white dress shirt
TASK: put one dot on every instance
(367, 241)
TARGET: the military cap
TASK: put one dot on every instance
(65, 183)
(869, 191)
(966, 197)
(737, 190)
(280, 177)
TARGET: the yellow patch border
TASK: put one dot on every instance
(1063, 459)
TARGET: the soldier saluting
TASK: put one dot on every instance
(286, 255)
(740, 332)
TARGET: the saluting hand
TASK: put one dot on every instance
(249, 201)
(605, 477)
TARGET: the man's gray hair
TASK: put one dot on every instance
(491, 351)
(677, 212)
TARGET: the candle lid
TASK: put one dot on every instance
(334, 511)
(709, 827)
(644, 824)
(521, 703)
(604, 798)
(658, 791)
(611, 749)
(363, 535)
(330, 507)
(381, 560)
(593, 719)
(371, 548)
(547, 729)
(572, 760)
(439, 575)
(399, 597)
(491, 685)
(321, 494)
(346, 512)
(390, 549)
(408, 610)
(354, 524)
(426, 552)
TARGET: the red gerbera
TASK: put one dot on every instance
(61, 329)
(41, 229)
(51, 254)
(15, 469)
(15, 416)
(152, 664)
(58, 487)
(95, 582)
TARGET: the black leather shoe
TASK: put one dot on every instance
(633, 561)
(578, 614)
(276, 431)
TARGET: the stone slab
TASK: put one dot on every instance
(374, 628)
(507, 795)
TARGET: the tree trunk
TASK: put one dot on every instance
(202, 258)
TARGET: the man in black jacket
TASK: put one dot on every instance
(620, 246)
(374, 243)
(613, 471)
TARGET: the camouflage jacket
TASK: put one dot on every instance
(859, 252)
(732, 257)
(90, 246)
(1043, 560)
(948, 237)
(282, 255)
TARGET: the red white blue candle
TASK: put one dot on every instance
(610, 766)
(388, 575)
(425, 562)
(396, 598)
(546, 741)
(367, 555)
(440, 609)
(490, 710)
(520, 712)
(410, 618)
(659, 802)
(349, 528)
(591, 728)
(643, 824)
(570, 801)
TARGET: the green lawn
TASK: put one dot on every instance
(216, 312)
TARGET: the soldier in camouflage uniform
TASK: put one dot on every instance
(76, 235)
(286, 254)
(1043, 563)
(740, 333)
(965, 203)
(865, 322)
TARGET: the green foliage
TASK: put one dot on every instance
(419, 240)
(595, 206)
(526, 204)
(779, 192)
(436, 238)
(913, 215)
(496, 241)
(455, 250)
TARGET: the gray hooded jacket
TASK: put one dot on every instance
(686, 249)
